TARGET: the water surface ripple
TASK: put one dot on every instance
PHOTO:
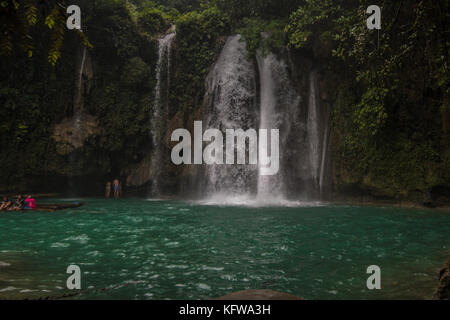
(177, 250)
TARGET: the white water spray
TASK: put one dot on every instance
(230, 97)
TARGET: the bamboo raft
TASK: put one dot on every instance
(56, 207)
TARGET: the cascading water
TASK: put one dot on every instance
(313, 132)
(160, 108)
(303, 129)
(278, 110)
(79, 99)
(230, 97)
(164, 59)
(318, 131)
(76, 128)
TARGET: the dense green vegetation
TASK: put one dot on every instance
(120, 98)
(199, 40)
(391, 112)
(389, 88)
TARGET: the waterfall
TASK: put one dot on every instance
(313, 132)
(164, 59)
(79, 99)
(278, 110)
(80, 82)
(324, 162)
(318, 132)
(76, 123)
(160, 111)
(230, 98)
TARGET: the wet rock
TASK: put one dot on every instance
(71, 133)
(177, 122)
(139, 174)
(259, 295)
(443, 290)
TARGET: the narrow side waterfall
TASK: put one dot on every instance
(78, 105)
(231, 103)
(164, 59)
(160, 108)
(313, 133)
(318, 132)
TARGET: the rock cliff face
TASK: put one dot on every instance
(70, 135)
(276, 91)
(443, 290)
(140, 174)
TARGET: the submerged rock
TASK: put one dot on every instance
(259, 295)
(443, 290)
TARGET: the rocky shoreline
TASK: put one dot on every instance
(443, 289)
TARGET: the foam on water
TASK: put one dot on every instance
(255, 201)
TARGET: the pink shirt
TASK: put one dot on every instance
(30, 203)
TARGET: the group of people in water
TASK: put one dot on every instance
(20, 203)
(29, 203)
(116, 189)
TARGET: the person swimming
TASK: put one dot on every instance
(5, 204)
(19, 204)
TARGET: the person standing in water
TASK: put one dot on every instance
(108, 190)
(116, 185)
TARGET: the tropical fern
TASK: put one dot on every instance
(31, 13)
(57, 38)
(6, 44)
(19, 16)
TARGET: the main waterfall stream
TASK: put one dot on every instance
(231, 101)
(243, 94)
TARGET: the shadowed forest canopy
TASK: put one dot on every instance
(389, 88)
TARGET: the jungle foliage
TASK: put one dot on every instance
(389, 88)
(391, 111)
